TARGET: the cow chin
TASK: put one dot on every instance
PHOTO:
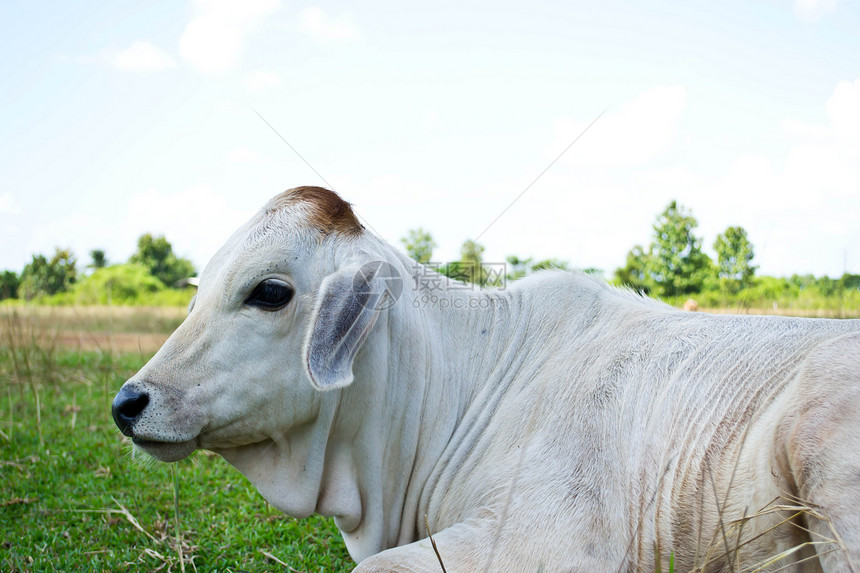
(167, 451)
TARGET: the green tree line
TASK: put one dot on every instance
(673, 267)
(150, 274)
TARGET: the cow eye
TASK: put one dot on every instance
(271, 294)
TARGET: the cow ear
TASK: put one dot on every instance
(346, 309)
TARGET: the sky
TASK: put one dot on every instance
(184, 118)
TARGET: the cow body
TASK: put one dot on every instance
(557, 425)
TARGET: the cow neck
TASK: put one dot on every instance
(415, 378)
(472, 341)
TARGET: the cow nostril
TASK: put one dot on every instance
(127, 406)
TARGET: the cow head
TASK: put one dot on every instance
(281, 312)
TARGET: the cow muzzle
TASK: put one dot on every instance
(127, 406)
(132, 411)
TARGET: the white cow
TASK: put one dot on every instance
(557, 425)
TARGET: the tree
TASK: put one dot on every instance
(850, 282)
(419, 245)
(472, 261)
(554, 264)
(676, 264)
(156, 254)
(634, 273)
(734, 259)
(43, 277)
(517, 267)
(99, 259)
(470, 267)
(9, 282)
(471, 251)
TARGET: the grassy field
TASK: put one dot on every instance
(72, 496)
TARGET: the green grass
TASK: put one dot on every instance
(72, 497)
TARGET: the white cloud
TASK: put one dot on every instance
(141, 56)
(213, 42)
(827, 165)
(843, 110)
(802, 207)
(316, 22)
(9, 205)
(196, 221)
(813, 10)
(262, 80)
(78, 231)
(800, 130)
(390, 204)
(428, 119)
(242, 155)
(563, 215)
(641, 130)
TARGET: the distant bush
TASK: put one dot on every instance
(167, 297)
(125, 285)
(117, 284)
(787, 295)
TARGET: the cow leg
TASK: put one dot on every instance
(458, 547)
(472, 546)
(821, 440)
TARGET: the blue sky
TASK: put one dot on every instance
(123, 118)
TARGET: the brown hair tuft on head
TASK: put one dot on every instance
(328, 212)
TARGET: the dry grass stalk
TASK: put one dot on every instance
(792, 510)
(11, 414)
(39, 417)
(124, 512)
(279, 562)
(175, 473)
(166, 562)
(433, 543)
